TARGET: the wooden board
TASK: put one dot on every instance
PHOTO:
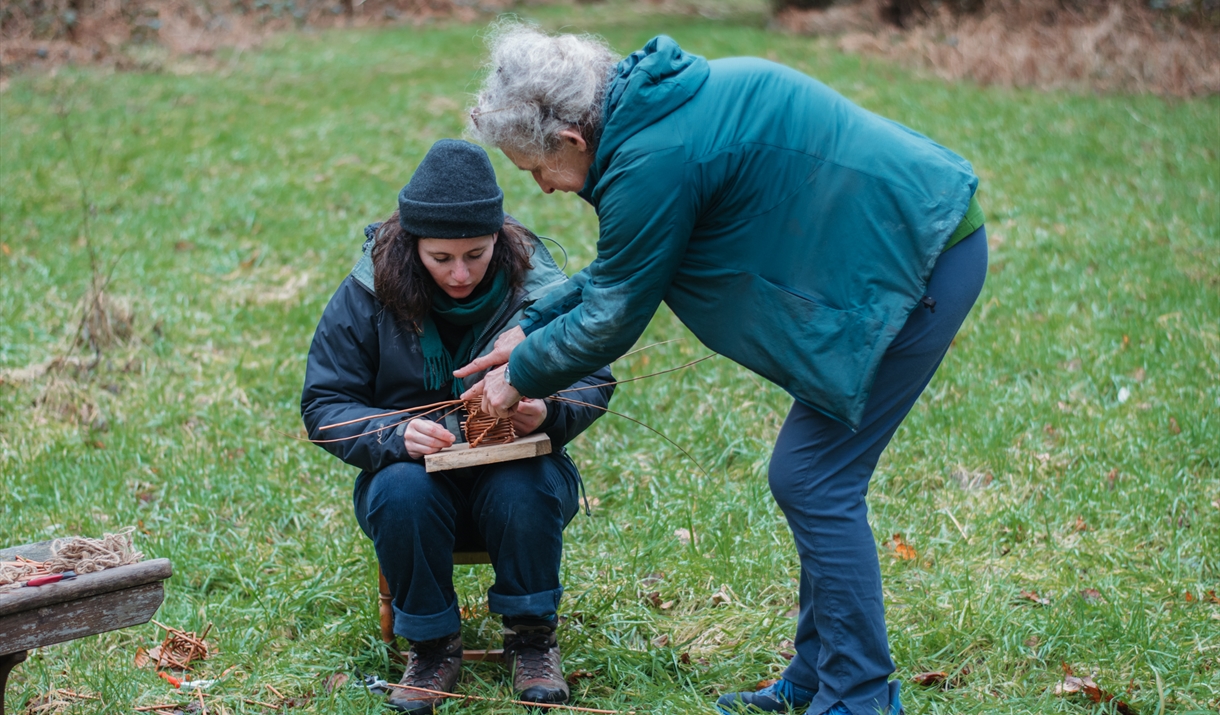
(69, 620)
(461, 455)
(91, 584)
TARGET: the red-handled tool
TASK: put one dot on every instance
(51, 578)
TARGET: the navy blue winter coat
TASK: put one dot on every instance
(364, 362)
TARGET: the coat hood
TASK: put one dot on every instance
(645, 88)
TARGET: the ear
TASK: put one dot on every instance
(573, 137)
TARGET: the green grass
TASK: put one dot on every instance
(230, 199)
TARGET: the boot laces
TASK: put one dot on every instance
(531, 651)
(427, 663)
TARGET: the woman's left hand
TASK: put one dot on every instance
(528, 416)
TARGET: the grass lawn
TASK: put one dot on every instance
(1068, 447)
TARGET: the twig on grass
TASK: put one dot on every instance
(551, 706)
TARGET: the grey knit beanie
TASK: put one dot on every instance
(452, 194)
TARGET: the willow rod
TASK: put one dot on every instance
(552, 706)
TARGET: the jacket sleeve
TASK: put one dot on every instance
(565, 420)
(646, 214)
(339, 382)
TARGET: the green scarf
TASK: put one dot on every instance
(438, 363)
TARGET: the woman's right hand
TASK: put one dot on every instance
(423, 436)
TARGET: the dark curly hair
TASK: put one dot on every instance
(404, 285)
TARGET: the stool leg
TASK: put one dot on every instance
(7, 662)
(386, 609)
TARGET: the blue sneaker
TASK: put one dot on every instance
(779, 697)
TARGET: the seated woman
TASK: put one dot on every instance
(439, 281)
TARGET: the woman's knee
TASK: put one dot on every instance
(530, 489)
(402, 491)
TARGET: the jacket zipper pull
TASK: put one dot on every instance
(929, 302)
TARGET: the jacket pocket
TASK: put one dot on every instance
(824, 357)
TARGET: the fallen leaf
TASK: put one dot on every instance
(1080, 524)
(1033, 596)
(652, 579)
(1072, 685)
(685, 536)
(721, 597)
(931, 679)
(1189, 598)
(1139, 374)
(684, 659)
(765, 684)
(7, 251)
(576, 675)
(1212, 598)
(1173, 426)
(793, 612)
(667, 605)
(660, 641)
(336, 681)
(972, 480)
(652, 598)
(477, 610)
(141, 658)
(181, 246)
(902, 549)
(1092, 595)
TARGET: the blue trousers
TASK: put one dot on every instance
(819, 474)
(516, 510)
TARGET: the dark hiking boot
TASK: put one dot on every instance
(530, 645)
(779, 697)
(431, 665)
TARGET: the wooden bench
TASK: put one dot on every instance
(86, 605)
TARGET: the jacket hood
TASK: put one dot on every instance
(645, 88)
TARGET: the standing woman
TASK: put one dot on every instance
(830, 250)
(438, 281)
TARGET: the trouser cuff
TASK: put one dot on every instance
(426, 628)
(542, 604)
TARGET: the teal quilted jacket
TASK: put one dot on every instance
(789, 229)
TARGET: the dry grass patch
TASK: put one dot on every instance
(1127, 47)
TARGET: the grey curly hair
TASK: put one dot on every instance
(538, 85)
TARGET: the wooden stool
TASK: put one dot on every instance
(88, 604)
(386, 609)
